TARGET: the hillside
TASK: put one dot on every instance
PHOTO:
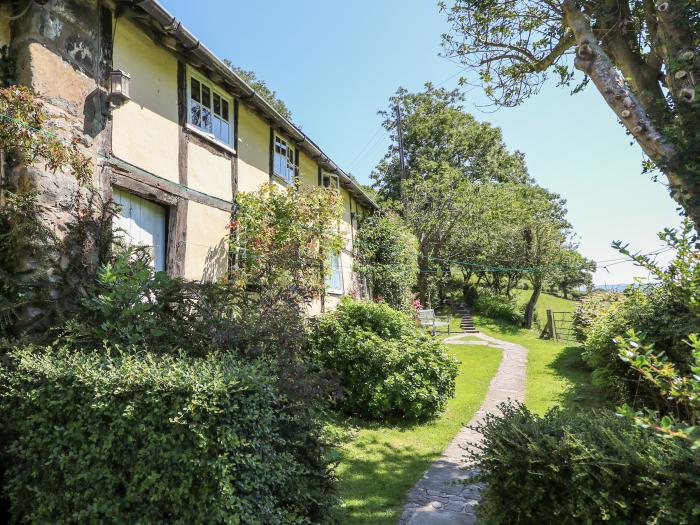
(546, 302)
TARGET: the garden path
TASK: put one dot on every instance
(443, 495)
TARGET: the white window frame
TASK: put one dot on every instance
(329, 180)
(339, 270)
(284, 164)
(214, 90)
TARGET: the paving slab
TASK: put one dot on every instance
(444, 495)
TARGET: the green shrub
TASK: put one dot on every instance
(386, 366)
(151, 438)
(590, 308)
(652, 312)
(584, 468)
(387, 255)
(497, 306)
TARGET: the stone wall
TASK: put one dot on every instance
(63, 53)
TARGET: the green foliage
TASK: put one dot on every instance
(387, 254)
(646, 55)
(19, 137)
(681, 390)
(387, 367)
(588, 467)
(129, 304)
(572, 271)
(654, 312)
(498, 306)
(590, 308)
(262, 89)
(281, 240)
(643, 345)
(449, 157)
(141, 438)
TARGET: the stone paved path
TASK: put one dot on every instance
(441, 496)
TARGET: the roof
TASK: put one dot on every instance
(173, 35)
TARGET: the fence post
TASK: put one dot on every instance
(551, 325)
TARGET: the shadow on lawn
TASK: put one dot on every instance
(378, 477)
(583, 393)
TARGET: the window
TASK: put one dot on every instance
(210, 110)
(330, 181)
(142, 223)
(334, 280)
(284, 165)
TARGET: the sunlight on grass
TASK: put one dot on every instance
(380, 464)
(556, 375)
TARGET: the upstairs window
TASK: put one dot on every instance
(284, 163)
(334, 280)
(329, 180)
(210, 109)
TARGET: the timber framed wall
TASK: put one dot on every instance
(147, 146)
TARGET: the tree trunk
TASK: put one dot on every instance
(531, 304)
(593, 60)
(424, 284)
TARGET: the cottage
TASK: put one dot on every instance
(174, 132)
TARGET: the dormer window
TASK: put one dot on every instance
(284, 162)
(328, 180)
(210, 110)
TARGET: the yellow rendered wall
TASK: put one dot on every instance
(308, 171)
(206, 255)
(208, 173)
(253, 150)
(145, 129)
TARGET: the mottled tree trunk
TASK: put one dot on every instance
(635, 115)
(532, 303)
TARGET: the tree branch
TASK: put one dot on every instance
(566, 42)
(592, 60)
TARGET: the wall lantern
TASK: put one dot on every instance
(120, 86)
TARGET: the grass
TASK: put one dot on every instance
(556, 375)
(544, 303)
(381, 463)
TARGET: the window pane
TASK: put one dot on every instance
(216, 127)
(196, 114)
(224, 109)
(217, 104)
(225, 131)
(195, 90)
(206, 119)
(206, 96)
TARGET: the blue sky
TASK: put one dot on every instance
(336, 63)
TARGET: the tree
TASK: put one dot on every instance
(573, 271)
(543, 231)
(387, 254)
(448, 157)
(261, 87)
(641, 55)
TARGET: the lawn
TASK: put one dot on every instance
(544, 303)
(556, 375)
(381, 463)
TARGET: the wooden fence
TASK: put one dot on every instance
(559, 326)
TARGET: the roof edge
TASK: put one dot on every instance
(172, 27)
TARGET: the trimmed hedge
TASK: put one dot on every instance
(94, 438)
(387, 367)
(591, 467)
